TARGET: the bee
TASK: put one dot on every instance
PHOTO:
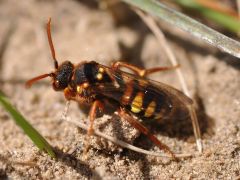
(134, 94)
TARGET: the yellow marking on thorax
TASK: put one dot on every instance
(79, 89)
(85, 85)
(150, 109)
(100, 73)
(82, 87)
(99, 76)
(137, 103)
(101, 70)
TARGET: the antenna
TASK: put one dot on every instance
(29, 83)
(51, 43)
(33, 80)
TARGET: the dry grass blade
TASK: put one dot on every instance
(188, 24)
(162, 41)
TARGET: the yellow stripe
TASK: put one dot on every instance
(137, 102)
(150, 109)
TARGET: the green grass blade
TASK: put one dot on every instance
(229, 22)
(37, 139)
(188, 24)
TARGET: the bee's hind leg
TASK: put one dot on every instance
(140, 71)
(122, 113)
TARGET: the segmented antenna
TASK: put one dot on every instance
(29, 83)
(51, 43)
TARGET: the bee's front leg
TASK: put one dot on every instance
(97, 105)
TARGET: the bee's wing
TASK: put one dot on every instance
(172, 97)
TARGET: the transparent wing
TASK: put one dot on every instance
(173, 101)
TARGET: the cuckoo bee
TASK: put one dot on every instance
(134, 94)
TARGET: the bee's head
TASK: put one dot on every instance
(62, 76)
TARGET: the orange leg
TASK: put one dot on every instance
(92, 114)
(145, 131)
(139, 71)
(97, 105)
(69, 94)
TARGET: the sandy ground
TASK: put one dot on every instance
(83, 32)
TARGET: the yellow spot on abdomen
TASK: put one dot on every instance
(137, 102)
(150, 109)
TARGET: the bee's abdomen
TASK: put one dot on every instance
(146, 102)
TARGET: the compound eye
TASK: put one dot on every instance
(56, 85)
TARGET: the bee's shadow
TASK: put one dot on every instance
(73, 162)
